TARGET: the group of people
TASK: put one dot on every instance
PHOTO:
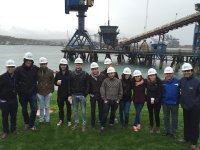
(32, 84)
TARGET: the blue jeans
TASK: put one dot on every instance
(76, 99)
(124, 107)
(138, 109)
(24, 100)
(44, 104)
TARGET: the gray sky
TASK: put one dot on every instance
(46, 18)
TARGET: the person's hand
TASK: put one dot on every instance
(59, 82)
(105, 102)
(70, 99)
(91, 95)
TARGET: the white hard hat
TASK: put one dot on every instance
(10, 63)
(63, 61)
(28, 56)
(187, 66)
(94, 65)
(43, 60)
(111, 70)
(78, 61)
(152, 71)
(127, 70)
(107, 61)
(168, 70)
(137, 73)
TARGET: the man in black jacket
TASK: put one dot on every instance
(79, 87)
(27, 89)
(190, 102)
(108, 63)
(95, 80)
(62, 80)
(8, 98)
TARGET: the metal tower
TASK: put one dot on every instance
(81, 38)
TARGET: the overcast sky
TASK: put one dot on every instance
(45, 19)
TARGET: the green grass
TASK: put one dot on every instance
(116, 138)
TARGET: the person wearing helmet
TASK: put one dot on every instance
(27, 89)
(45, 89)
(79, 88)
(190, 102)
(139, 86)
(111, 92)
(125, 102)
(170, 102)
(153, 97)
(108, 63)
(62, 80)
(95, 80)
(8, 98)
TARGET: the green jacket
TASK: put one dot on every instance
(45, 81)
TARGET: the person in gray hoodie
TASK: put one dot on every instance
(111, 92)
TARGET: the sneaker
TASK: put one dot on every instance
(157, 130)
(26, 127)
(138, 126)
(116, 121)
(4, 135)
(111, 125)
(69, 124)
(59, 123)
(102, 129)
(14, 132)
(151, 130)
(48, 123)
(165, 134)
(183, 141)
(75, 126)
(193, 147)
(135, 129)
(83, 128)
(33, 128)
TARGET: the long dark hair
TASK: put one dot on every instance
(123, 77)
(67, 67)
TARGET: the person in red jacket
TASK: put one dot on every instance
(139, 85)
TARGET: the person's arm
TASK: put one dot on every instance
(52, 81)
(56, 79)
(87, 85)
(160, 91)
(103, 91)
(120, 91)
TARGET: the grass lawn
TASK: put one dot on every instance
(116, 138)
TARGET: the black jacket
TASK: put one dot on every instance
(26, 80)
(95, 84)
(190, 93)
(64, 88)
(154, 90)
(127, 89)
(8, 88)
(105, 73)
(79, 83)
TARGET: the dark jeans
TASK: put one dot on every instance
(154, 110)
(124, 107)
(9, 109)
(93, 101)
(32, 100)
(170, 111)
(138, 109)
(61, 103)
(191, 125)
(111, 104)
